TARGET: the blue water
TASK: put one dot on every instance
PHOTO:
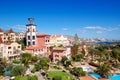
(108, 43)
(94, 75)
(114, 77)
(7, 73)
(111, 77)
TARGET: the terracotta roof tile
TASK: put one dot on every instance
(103, 79)
(56, 36)
(33, 47)
(42, 35)
(1, 30)
(11, 31)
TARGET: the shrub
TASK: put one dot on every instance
(16, 61)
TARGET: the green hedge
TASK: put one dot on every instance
(16, 61)
(26, 78)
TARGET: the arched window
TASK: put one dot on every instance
(28, 30)
(33, 30)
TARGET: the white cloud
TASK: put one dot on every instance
(65, 29)
(95, 27)
(19, 27)
(101, 28)
(111, 29)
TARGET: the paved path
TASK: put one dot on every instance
(6, 78)
(38, 74)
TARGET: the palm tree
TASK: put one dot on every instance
(103, 70)
(91, 52)
(26, 58)
(116, 54)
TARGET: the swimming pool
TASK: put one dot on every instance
(111, 77)
(114, 77)
(94, 75)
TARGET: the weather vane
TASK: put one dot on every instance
(31, 20)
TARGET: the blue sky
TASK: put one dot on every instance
(87, 18)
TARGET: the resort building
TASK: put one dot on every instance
(20, 36)
(37, 44)
(10, 51)
(31, 33)
(58, 52)
(43, 41)
(8, 36)
(56, 40)
(87, 78)
(35, 50)
(11, 36)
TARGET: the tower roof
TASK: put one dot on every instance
(30, 25)
(1, 30)
(11, 31)
(1, 41)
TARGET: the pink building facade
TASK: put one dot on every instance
(58, 52)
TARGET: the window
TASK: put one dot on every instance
(28, 43)
(14, 48)
(18, 46)
(28, 37)
(33, 42)
(48, 40)
(33, 30)
(9, 47)
(28, 29)
(33, 37)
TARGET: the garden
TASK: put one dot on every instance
(59, 75)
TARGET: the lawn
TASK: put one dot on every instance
(64, 75)
(26, 78)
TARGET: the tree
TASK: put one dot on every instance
(106, 54)
(51, 47)
(60, 45)
(22, 42)
(42, 64)
(116, 54)
(74, 49)
(91, 52)
(78, 71)
(3, 65)
(76, 39)
(67, 63)
(103, 70)
(26, 58)
(77, 57)
(18, 70)
(64, 58)
(34, 58)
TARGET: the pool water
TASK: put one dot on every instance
(94, 75)
(7, 73)
(111, 77)
(114, 77)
